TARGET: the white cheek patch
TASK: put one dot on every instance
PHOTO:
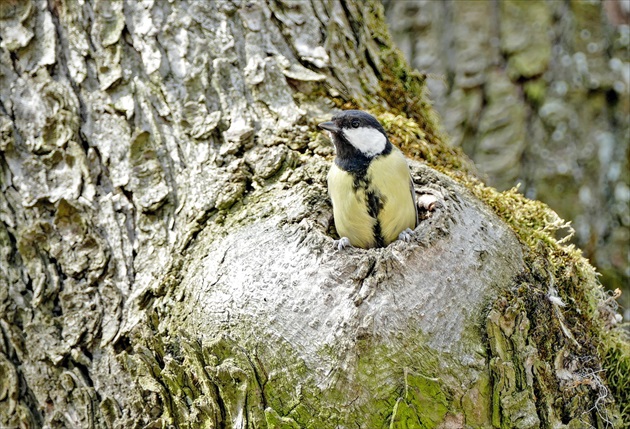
(368, 140)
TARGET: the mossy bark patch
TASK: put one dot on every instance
(424, 405)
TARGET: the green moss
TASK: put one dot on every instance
(475, 402)
(404, 416)
(275, 421)
(411, 138)
(424, 401)
(535, 91)
(616, 352)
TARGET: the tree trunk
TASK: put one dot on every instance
(166, 237)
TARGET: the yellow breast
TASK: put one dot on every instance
(374, 210)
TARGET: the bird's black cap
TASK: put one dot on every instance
(348, 157)
(351, 119)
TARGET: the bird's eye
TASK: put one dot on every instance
(355, 124)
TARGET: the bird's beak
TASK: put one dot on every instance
(329, 126)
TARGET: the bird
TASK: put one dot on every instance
(369, 183)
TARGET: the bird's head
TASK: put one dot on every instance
(355, 130)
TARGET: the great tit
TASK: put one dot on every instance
(369, 183)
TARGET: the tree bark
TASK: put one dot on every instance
(166, 237)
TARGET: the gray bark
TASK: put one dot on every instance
(166, 247)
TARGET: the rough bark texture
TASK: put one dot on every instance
(166, 239)
(537, 93)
